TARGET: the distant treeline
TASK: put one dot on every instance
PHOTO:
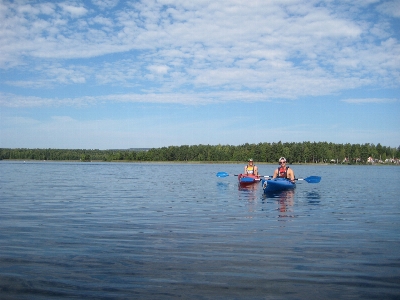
(305, 152)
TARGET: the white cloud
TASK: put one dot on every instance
(281, 48)
(74, 11)
(53, 75)
(391, 8)
(105, 4)
(122, 73)
(103, 21)
(17, 101)
(47, 8)
(370, 100)
(158, 69)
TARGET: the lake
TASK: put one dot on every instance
(167, 231)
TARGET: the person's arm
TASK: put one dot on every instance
(291, 175)
(275, 173)
(256, 170)
(245, 169)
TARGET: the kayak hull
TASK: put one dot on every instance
(248, 179)
(277, 184)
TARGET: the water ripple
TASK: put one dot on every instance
(163, 231)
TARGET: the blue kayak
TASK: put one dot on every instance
(277, 184)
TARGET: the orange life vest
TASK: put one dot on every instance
(282, 172)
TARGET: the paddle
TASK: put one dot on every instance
(224, 174)
(311, 179)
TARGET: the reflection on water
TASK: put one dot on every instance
(250, 194)
(285, 200)
(248, 187)
(313, 198)
(222, 186)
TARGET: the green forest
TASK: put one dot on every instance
(305, 152)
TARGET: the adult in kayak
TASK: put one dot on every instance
(250, 169)
(284, 171)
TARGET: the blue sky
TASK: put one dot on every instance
(107, 74)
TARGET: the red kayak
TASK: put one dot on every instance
(248, 179)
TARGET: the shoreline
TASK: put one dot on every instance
(195, 162)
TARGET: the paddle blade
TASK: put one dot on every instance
(222, 174)
(313, 179)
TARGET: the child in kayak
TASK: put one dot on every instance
(283, 171)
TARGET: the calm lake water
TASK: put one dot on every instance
(166, 231)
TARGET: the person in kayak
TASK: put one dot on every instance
(251, 169)
(283, 171)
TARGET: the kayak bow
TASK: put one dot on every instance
(248, 179)
(277, 184)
